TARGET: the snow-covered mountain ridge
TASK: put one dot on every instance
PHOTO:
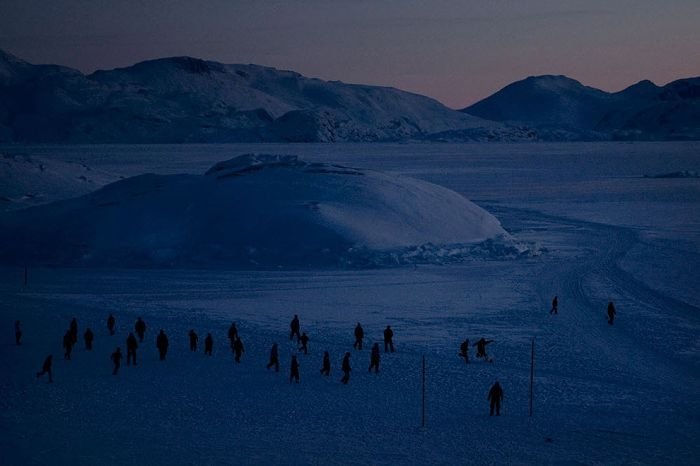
(185, 99)
(561, 108)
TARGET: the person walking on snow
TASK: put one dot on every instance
(208, 344)
(162, 344)
(110, 323)
(18, 334)
(304, 341)
(117, 360)
(294, 372)
(374, 359)
(74, 330)
(46, 368)
(326, 366)
(359, 335)
(294, 328)
(131, 346)
(232, 334)
(495, 397)
(193, 340)
(140, 328)
(481, 348)
(611, 312)
(88, 337)
(238, 349)
(346, 369)
(68, 344)
(274, 358)
(555, 306)
(464, 350)
(388, 339)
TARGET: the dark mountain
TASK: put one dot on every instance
(185, 99)
(562, 108)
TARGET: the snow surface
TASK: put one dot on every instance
(621, 394)
(252, 210)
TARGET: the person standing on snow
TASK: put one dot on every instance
(374, 359)
(326, 367)
(611, 312)
(555, 306)
(162, 344)
(131, 346)
(208, 344)
(495, 397)
(46, 368)
(74, 330)
(346, 369)
(18, 334)
(464, 350)
(232, 334)
(110, 323)
(193, 340)
(388, 339)
(117, 360)
(140, 328)
(88, 337)
(294, 372)
(68, 344)
(481, 348)
(274, 358)
(359, 335)
(294, 327)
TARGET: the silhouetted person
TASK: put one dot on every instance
(294, 372)
(495, 397)
(359, 335)
(294, 328)
(74, 330)
(162, 344)
(611, 312)
(555, 306)
(193, 340)
(110, 323)
(88, 336)
(464, 350)
(304, 341)
(326, 367)
(346, 368)
(208, 344)
(46, 368)
(374, 358)
(274, 358)
(232, 334)
(481, 348)
(18, 333)
(140, 328)
(131, 346)
(238, 349)
(117, 360)
(67, 344)
(388, 339)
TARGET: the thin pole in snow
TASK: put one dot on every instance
(423, 405)
(532, 372)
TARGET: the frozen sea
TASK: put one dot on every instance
(605, 226)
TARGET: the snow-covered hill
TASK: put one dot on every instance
(185, 99)
(561, 108)
(253, 210)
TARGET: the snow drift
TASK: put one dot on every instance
(253, 210)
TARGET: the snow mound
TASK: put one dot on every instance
(252, 211)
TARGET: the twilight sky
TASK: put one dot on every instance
(457, 51)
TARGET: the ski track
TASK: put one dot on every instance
(603, 395)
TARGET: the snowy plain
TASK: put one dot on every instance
(621, 394)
